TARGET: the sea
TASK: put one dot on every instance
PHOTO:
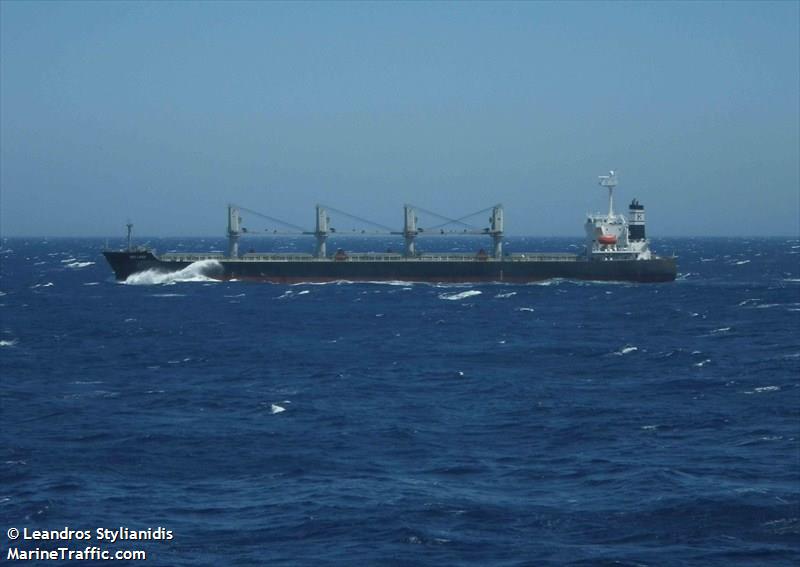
(358, 424)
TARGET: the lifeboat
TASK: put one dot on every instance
(607, 239)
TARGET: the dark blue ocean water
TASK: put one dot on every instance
(377, 424)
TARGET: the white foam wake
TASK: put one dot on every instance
(200, 271)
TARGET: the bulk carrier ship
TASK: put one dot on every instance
(616, 249)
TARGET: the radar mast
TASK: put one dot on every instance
(609, 181)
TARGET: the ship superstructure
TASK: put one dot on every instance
(612, 237)
(616, 249)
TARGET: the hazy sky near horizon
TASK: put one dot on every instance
(163, 112)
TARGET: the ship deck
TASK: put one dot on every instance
(368, 257)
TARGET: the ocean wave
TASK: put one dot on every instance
(200, 271)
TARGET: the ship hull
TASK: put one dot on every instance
(126, 263)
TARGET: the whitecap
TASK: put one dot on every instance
(626, 350)
(721, 330)
(48, 284)
(304, 292)
(200, 271)
(702, 363)
(531, 309)
(767, 389)
(506, 295)
(459, 296)
(741, 262)
(554, 281)
(8, 343)
(79, 264)
(400, 283)
(275, 408)
(92, 283)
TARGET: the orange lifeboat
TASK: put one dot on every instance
(607, 239)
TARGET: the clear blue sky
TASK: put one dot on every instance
(162, 112)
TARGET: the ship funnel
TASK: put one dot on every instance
(636, 221)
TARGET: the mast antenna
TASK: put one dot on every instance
(609, 181)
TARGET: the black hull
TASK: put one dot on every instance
(125, 263)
